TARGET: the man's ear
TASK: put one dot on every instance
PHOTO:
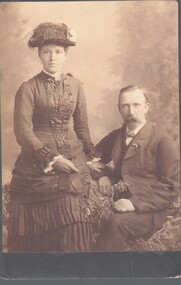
(147, 106)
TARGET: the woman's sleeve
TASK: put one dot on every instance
(81, 124)
(23, 124)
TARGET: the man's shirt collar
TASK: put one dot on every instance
(137, 129)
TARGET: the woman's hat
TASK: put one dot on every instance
(52, 33)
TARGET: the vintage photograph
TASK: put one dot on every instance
(90, 126)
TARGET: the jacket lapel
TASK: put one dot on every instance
(138, 141)
(134, 147)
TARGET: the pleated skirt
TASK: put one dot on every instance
(61, 222)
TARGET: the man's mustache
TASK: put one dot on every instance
(131, 119)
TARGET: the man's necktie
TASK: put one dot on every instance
(129, 136)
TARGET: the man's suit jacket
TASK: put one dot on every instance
(150, 166)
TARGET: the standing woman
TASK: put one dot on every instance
(51, 180)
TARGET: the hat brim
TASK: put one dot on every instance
(64, 43)
(60, 42)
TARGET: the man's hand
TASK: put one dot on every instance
(124, 205)
(65, 165)
(105, 184)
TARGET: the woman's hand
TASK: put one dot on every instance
(105, 184)
(65, 165)
(96, 166)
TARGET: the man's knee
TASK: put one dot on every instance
(129, 223)
(113, 236)
(118, 223)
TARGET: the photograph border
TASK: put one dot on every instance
(92, 265)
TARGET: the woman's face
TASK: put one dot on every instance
(52, 57)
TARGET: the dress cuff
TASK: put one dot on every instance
(50, 165)
(45, 154)
(95, 159)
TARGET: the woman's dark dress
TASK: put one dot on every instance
(48, 210)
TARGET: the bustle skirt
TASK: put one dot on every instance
(48, 221)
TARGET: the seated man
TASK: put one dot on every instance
(146, 174)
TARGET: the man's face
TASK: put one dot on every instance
(133, 107)
(52, 57)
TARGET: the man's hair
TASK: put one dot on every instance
(133, 88)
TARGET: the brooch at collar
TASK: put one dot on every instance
(135, 146)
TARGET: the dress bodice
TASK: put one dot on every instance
(60, 108)
(49, 112)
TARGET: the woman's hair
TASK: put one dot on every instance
(52, 42)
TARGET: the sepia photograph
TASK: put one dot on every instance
(90, 127)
